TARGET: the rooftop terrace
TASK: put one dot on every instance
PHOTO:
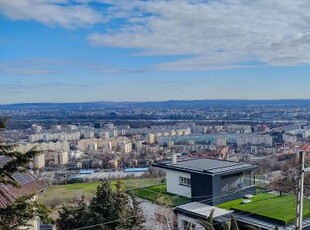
(281, 209)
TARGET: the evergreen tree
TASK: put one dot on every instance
(17, 214)
(23, 209)
(107, 210)
(123, 210)
(73, 216)
(43, 212)
(136, 221)
(18, 160)
(129, 212)
(103, 207)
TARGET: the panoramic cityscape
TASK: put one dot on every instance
(154, 114)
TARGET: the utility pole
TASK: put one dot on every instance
(300, 192)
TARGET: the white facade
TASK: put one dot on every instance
(173, 183)
(289, 138)
(36, 128)
(75, 154)
(253, 139)
(88, 134)
(127, 148)
(54, 146)
(51, 136)
(150, 138)
(198, 209)
(139, 145)
(221, 141)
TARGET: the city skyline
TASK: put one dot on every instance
(109, 50)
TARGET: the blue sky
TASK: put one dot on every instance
(133, 50)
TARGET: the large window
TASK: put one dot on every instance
(188, 225)
(236, 182)
(184, 181)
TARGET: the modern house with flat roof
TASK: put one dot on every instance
(207, 180)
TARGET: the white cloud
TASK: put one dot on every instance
(51, 12)
(215, 34)
(41, 67)
(25, 68)
(209, 33)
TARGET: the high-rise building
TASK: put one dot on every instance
(109, 125)
(126, 148)
(39, 161)
(36, 128)
(139, 145)
(221, 141)
(56, 127)
(61, 158)
(151, 138)
(92, 147)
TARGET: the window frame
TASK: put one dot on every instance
(185, 181)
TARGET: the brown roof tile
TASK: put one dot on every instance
(9, 193)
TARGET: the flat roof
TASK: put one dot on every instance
(202, 210)
(267, 224)
(205, 165)
(90, 171)
(130, 170)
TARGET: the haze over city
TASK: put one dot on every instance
(109, 50)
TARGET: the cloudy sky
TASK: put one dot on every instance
(142, 50)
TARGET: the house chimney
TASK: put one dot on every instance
(174, 158)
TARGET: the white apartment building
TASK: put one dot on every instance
(253, 139)
(88, 134)
(139, 145)
(289, 138)
(151, 138)
(75, 154)
(221, 141)
(51, 136)
(36, 128)
(54, 146)
(126, 148)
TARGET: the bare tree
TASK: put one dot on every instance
(288, 180)
(165, 219)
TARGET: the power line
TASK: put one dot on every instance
(105, 223)
(247, 213)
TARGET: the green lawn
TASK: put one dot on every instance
(159, 194)
(58, 194)
(260, 190)
(274, 207)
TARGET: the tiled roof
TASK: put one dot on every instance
(9, 193)
(305, 147)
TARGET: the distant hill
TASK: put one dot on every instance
(161, 104)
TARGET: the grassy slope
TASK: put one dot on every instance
(67, 193)
(159, 194)
(275, 207)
